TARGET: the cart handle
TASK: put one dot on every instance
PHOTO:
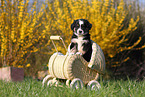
(57, 38)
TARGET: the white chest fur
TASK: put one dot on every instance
(79, 41)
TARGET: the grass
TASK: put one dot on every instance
(33, 88)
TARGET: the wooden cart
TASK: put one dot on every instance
(74, 68)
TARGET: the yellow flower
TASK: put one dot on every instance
(28, 65)
(20, 66)
(28, 27)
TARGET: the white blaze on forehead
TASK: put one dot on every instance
(81, 22)
(80, 29)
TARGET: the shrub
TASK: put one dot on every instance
(134, 67)
(25, 30)
(22, 31)
(108, 29)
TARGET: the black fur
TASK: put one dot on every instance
(86, 49)
(87, 25)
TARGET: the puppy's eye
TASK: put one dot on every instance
(83, 25)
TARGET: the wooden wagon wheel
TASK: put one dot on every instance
(53, 82)
(68, 82)
(48, 77)
(93, 85)
(76, 84)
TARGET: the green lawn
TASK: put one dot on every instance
(33, 88)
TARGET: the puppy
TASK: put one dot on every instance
(80, 41)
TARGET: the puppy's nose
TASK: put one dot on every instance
(80, 32)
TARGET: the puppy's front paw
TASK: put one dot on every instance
(71, 53)
(79, 53)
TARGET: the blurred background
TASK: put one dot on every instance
(118, 27)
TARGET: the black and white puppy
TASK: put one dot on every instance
(80, 41)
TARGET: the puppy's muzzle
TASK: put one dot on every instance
(80, 31)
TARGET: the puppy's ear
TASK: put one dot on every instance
(89, 26)
(73, 25)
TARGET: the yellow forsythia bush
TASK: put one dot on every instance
(107, 22)
(22, 30)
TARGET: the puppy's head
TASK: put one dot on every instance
(81, 27)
